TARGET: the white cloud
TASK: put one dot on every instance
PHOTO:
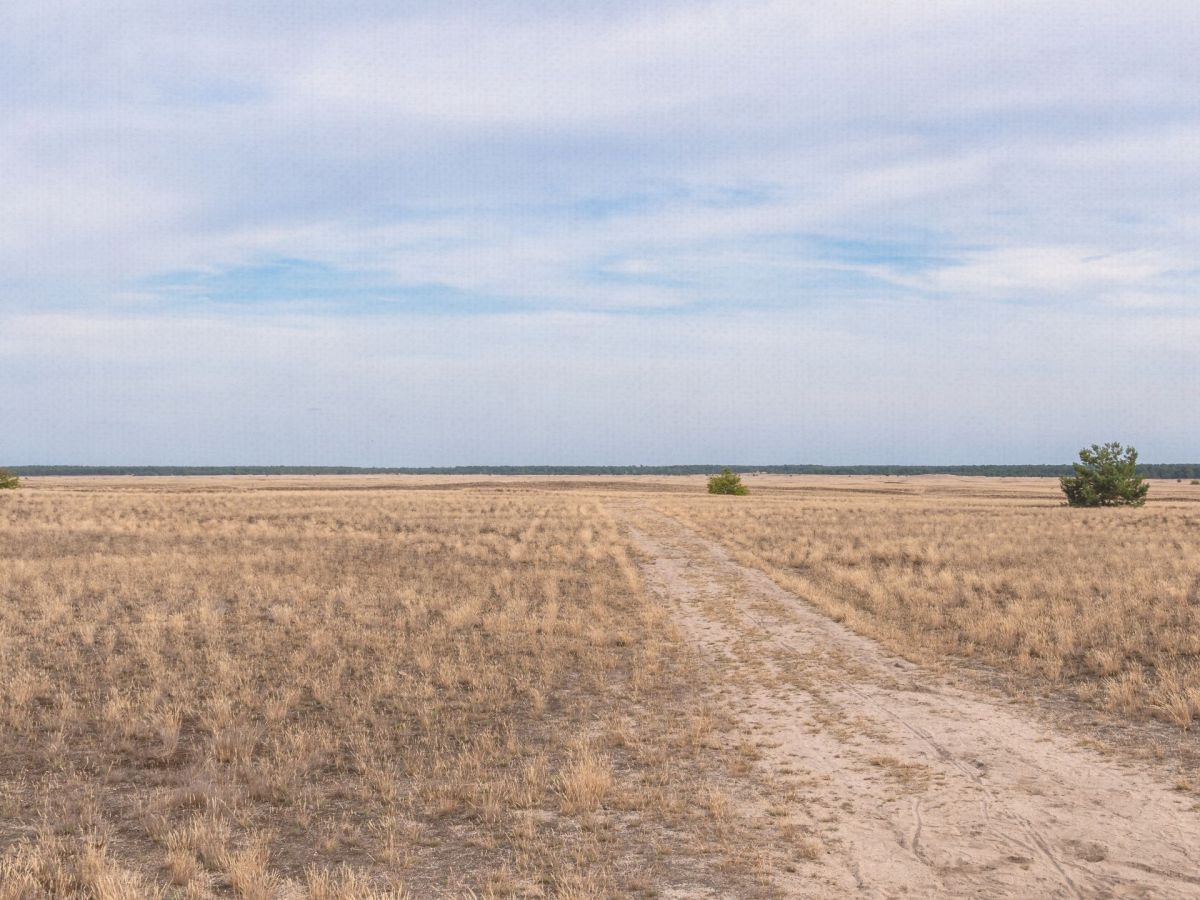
(847, 162)
(1043, 273)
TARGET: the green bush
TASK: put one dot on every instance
(8, 480)
(1106, 475)
(727, 482)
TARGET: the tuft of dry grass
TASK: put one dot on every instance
(51, 866)
(216, 688)
(585, 782)
(1102, 603)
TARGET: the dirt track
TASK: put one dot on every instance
(918, 786)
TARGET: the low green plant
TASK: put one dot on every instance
(8, 480)
(728, 482)
(1106, 475)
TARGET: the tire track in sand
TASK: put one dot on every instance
(921, 787)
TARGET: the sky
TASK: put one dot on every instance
(445, 233)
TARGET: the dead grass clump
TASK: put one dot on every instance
(343, 883)
(55, 867)
(586, 782)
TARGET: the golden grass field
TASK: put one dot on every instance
(208, 689)
(1104, 604)
(387, 687)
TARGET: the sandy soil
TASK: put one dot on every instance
(918, 784)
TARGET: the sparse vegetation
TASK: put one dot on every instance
(8, 481)
(1106, 475)
(215, 691)
(376, 687)
(727, 482)
(1106, 609)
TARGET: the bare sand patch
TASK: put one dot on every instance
(922, 786)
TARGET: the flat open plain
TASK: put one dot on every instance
(356, 687)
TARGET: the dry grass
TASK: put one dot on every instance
(208, 689)
(1102, 603)
(364, 688)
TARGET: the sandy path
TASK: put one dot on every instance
(918, 787)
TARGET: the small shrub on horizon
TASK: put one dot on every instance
(1106, 475)
(8, 481)
(728, 482)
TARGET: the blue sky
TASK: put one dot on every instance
(447, 233)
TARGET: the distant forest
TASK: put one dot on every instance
(1152, 470)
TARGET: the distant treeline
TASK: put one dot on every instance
(1152, 470)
